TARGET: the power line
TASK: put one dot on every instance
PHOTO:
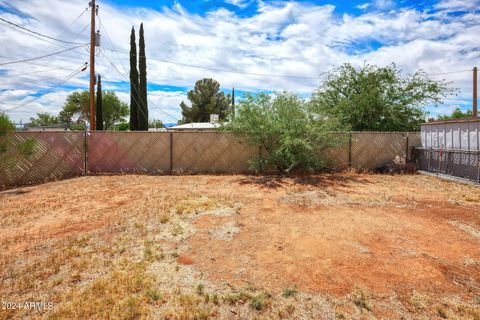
(223, 70)
(136, 91)
(40, 57)
(51, 68)
(70, 76)
(36, 37)
(450, 72)
(38, 33)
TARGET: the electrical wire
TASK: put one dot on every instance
(50, 68)
(223, 70)
(70, 76)
(136, 91)
(38, 33)
(450, 72)
(36, 37)
(40, 57)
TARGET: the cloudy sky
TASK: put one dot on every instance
(253, 45)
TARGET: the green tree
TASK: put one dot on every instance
(290, 136)
(374, 98)
(6, 126)
(457, 114)
(205, 99)
(155, 123)
(134, 98)
(114, 110)
(43, 120)
(122, 126)
(23, 149)
(76, 110)
(99, 106)
(142, 85)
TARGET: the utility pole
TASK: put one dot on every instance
(94, 10)
(475, 98)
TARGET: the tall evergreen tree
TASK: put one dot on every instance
(142, 87)
(134, 98)
(99, 106)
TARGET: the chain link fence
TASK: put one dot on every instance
(458, 163)
(54, 155)
(59, 155)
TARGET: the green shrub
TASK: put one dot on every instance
(290, 136)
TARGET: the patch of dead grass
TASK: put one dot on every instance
(125, 293)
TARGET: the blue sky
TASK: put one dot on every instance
(256, 46)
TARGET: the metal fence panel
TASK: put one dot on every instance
(458, 163)
(338, 156)
(128, 152)
(210, 152)
(56, 155)
(373, 150)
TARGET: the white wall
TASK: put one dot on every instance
(454, 135)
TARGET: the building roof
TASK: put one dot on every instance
(197, 126)
(460, 120)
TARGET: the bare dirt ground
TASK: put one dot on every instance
(333, 246)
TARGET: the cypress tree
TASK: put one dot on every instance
(99, 106)
(134, 98)
(142, 88)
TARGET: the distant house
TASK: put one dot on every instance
(196, 126)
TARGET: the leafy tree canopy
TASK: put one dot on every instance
(44, 119)
(457, 114)
(287, 130)
(155, 123)
(114, 110)
(374, 98)
(205, 99)
(76, 109)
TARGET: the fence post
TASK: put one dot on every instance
(478, 166)
(85, 147)
(407, 157)
(171, 152)
(350, 150)
(430, 152)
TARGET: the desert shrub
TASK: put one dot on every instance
(288, 133)
(5, 127)
(24, 149)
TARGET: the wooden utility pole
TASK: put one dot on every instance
(475, 98)
(92, 64)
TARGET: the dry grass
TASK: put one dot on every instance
(123, 261)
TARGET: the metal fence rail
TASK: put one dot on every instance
(63, 154)
(458, 163)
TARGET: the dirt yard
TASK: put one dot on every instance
(333, 246)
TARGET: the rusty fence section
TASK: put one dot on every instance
(59, 155)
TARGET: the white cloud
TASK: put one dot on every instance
(364, 6)
(282, 38)
(458, 4)
(240, 3)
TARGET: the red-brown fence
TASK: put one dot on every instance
(59, 155)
